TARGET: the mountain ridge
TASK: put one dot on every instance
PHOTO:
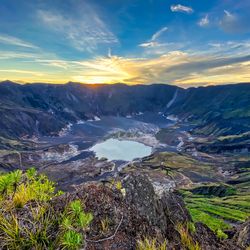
(47, 108)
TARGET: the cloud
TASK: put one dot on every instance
(26, 72)
(229, 47)
(148, 44)
(84, 29)
(11, 40)
(55, 63)
(16, 55)
(174, 67)
(159, 33)
(216, 63)
(153, 41)
(233, 23)
(157, 46)
(181, 8)
(204, 21)
(201, 64)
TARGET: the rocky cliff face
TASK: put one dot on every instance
(138, 212)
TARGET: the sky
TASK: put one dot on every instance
(178, 42)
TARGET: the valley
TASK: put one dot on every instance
(177, 144)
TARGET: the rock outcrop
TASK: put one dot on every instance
(137, 212)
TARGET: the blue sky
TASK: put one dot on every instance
(183, 42)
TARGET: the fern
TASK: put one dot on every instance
(5, 184)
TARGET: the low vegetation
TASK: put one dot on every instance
(181, 162)
(29, 221)
(218, 213)
(151, 244)
(186, 238)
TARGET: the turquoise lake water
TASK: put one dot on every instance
(125, 150)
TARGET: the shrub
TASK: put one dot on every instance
(221, 235)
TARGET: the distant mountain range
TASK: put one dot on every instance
(46, 108)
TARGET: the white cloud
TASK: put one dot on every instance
(230, 47)
(15, 55)
(181, 8)
(204, 21)
(26, 72)
(84, 29)
(11, 40)
(54, 62)
(153, 41)
(157, 46)
(159, 33)
(148, 44)
(228, 14)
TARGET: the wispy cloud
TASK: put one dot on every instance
(153, 41)
(174, 67)
(230, 47)
(234, 23)
(181, 8)
(204, 21)
(26, 72)
(16, 55)
(148, 44)
(158, 45)
(54, 62)
(85, 31)
(14, 41)
(159, 33)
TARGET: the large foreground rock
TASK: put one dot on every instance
(140, 213)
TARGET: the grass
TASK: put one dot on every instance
(105, 224)
(72, 240)
(151, 244)
(226, 213)
(218, 213)
(211, 221)
(186, 239)
(29, 221)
